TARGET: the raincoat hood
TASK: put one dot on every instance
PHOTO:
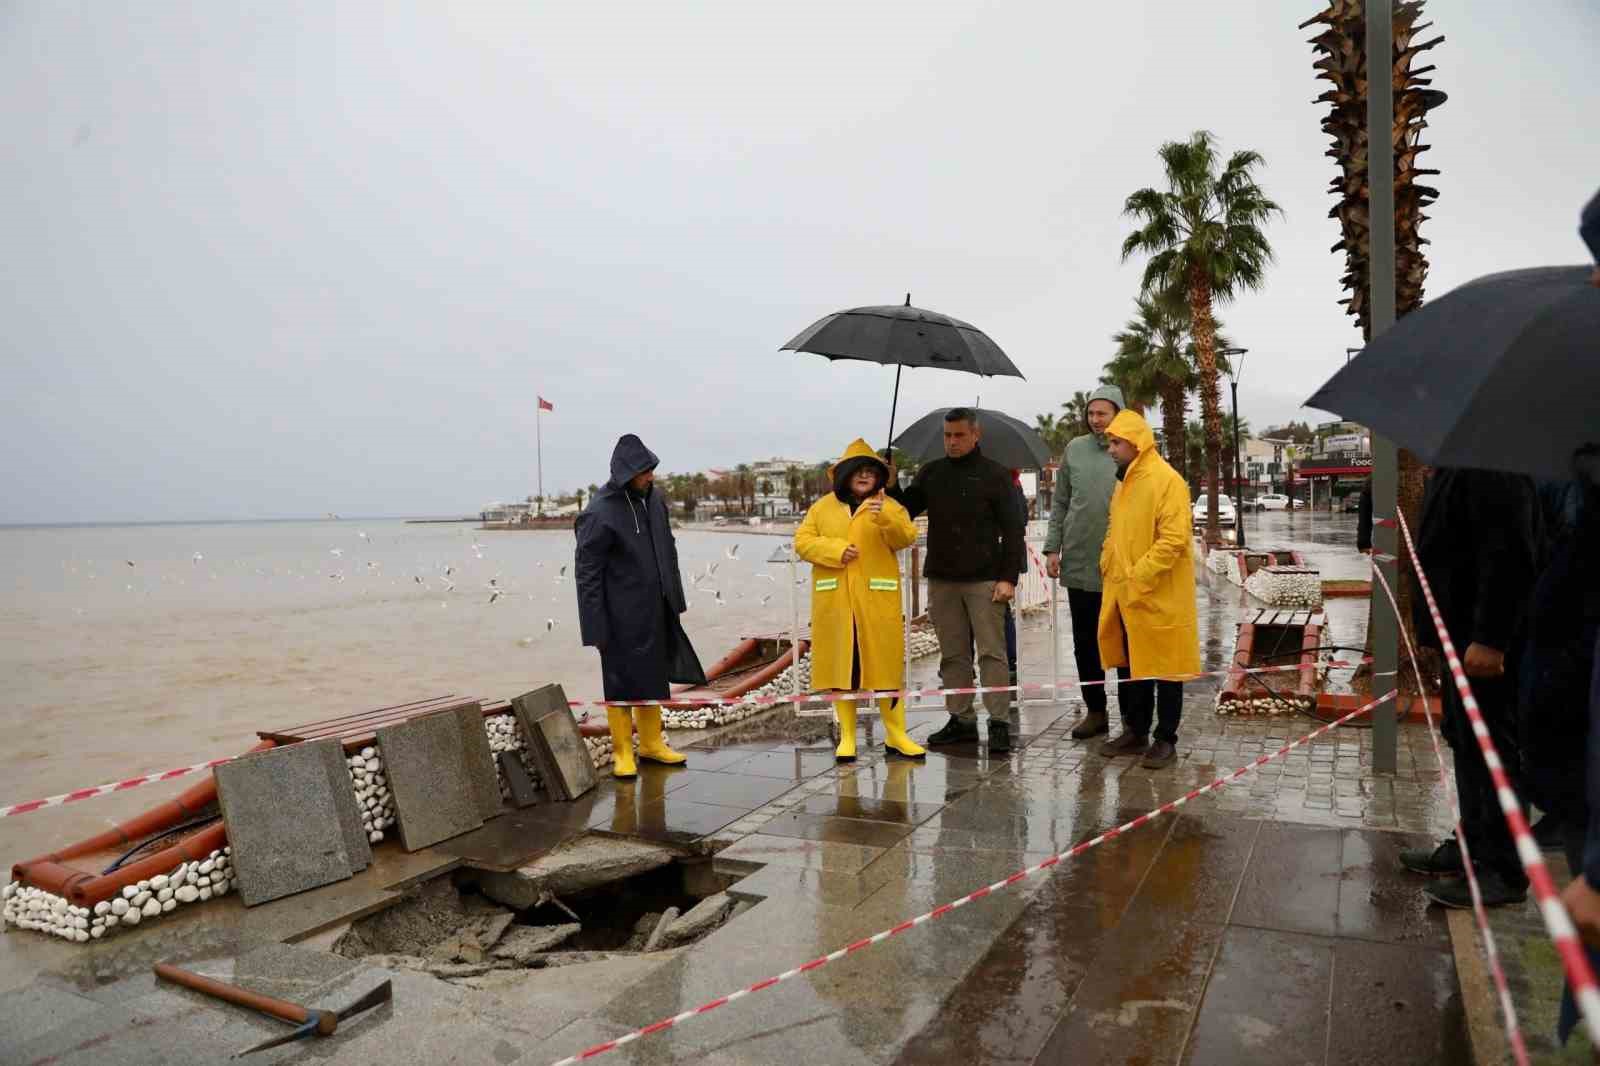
(629, 459)
(856, 456)
(1108, 392)
(1131, 426)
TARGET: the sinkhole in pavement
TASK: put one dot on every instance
(451, 929)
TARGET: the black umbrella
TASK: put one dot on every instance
(901, 337)
(1501, 373)
(1006, 440)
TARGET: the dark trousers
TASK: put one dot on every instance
(1488, 837)
(1084, 607)
(1150, 700)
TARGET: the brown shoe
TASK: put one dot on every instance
(1161, 753)
(1126, 744)
(1093, 724)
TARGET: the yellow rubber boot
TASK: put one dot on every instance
(652, 745)
(846, 710)
(621, 723)
(895, 738)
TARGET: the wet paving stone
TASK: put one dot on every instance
(1266, 1003)
(834, 829)
(1395, 1003)
(1293, 884)
(729, 789)
(870, 808)
(1381, 901)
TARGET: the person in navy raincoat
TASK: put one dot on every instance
(630, 595)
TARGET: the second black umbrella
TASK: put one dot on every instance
(1008, 441)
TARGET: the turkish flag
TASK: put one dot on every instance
(546, 405)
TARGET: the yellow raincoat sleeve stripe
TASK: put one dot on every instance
(813, 547)
(1171, 541)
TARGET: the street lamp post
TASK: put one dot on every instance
(1234, 370)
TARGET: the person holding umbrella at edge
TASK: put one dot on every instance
(975, 555)
(850, 538)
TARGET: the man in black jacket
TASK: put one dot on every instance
(975, 553)
(1478, 546)
(630, 595)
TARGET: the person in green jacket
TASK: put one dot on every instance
(1078, 517)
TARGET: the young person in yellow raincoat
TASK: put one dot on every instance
(857, 630)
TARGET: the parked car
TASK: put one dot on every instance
(1272, 501)
(1225, 512)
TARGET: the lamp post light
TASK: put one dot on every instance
(1235, 368)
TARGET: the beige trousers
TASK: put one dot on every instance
(964, 613)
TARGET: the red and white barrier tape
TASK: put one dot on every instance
(1557, 922)
(941, 911)
(102, 790)
(1519, 1049)
(1036, 688)
(818, 698)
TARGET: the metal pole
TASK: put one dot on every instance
(1055, 645)
(538, 450)
(794, 623)
(905, 623)
(888, 444)
(1385, 457)
(1238, 489)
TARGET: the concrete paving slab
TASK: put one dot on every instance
(283, 822)
(1395, 1003)
(357, 847)
(832, 828)
(28, 1014)
(1379, 900)
(669, 820)
(1294, 885)
(426, 765)
(478, 760)
(759, 848)
(1267, 993)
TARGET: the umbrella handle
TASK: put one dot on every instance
(888, 444)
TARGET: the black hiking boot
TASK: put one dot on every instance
(956, 731)
(999, 736)
(1442, 861)
(1495, 890)
(1092, 724)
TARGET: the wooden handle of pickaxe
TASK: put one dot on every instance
(277, 1008)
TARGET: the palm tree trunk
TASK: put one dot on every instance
(1173, 413)
(1204, 331)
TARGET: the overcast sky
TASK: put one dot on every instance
(281, 259)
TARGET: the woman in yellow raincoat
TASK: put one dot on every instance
(857, 631)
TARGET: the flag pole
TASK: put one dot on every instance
(538, 445)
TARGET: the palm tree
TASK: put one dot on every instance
(1195, 454)
(1204, 236)
(1076, 413)
(1056, 433)
(1229, 457)
(746, 488)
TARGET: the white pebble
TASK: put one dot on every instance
(207, 866)
(141, 899)
(144, 886)
(151, 908)
(102, 907)
(81, 935)
(132, 917)
(111, 920)
(191, 877)
(205, 893)
(221, 889)
(158, 882)
(375, 836)
(80, 923)
(164, 895)
(203, 882)
(170, 905)
(188, 893)
(130, 891)
(119, 907)
(97, 932)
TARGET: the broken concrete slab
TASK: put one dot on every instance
(653, 941)
(523, 943)
(698, 920)
(476, 936)
(428, 915)
(283, 822)
(584, 863)
(434, 796)
(518, 781)
(478, 760)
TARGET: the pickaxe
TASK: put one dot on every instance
(310, 1020)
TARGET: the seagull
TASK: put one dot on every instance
(733, 552)
(449, 570)
(331, 551)
(525, 642)
(130, 562)
(720, 601)
(448, 587)
(337, 577)
(495, 595)
(417, 578)
(711, 568)
(550, 625)
(196, 557)
(372, 566)
(362, 534)
(493, 582)
(765, 598)
(764, 576)
(561, 574)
